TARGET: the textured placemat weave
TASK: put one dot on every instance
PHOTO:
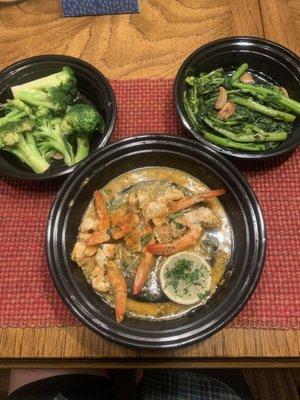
(28, 297)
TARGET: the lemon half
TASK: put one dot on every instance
(186, 278)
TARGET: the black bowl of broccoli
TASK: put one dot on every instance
(240, 96)
(55, 111)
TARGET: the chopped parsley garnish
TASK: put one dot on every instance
(175, 215)
(203, 295)
(182, 271)
(146, 239)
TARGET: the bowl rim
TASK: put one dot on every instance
(186, 124)
(154, 343)
(32, 176)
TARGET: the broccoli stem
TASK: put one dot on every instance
(267, 94)
(238, 73)
(260, 136)
(35, 98)
(83, 148)
(263, 109)
(27, 152)
(60, 145)
(13, 116)
(53, 139)
(224, 142)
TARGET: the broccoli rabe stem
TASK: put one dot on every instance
(267, 95)
(263, 109)
(224, 142)
(256, 136)
(190, 113)
(27, 152)
(83, 148)
(238, 73)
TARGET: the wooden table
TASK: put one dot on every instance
(146, 45)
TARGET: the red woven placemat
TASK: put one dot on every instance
(28, 297)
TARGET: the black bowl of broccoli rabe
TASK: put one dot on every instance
(241, 97)
(54, 112)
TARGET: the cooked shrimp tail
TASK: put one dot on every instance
(98, 238)
(143, 271)
(119, 288)
(189, 201)
(101, 211)
(185, 242)
(120, 305)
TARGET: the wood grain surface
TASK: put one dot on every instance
(147, 45)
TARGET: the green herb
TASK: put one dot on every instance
(203, 295)
(175, 215)
(182, 271)
(146, 239)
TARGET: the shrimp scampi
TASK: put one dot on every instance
(134, 224)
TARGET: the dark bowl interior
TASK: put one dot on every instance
(91, 84)
(268, 62)
(243, 270)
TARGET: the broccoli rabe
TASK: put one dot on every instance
(244, 115)
(82, 120)
(17, 138)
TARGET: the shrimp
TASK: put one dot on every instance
(119, 287)
(186, 202)
(97, 238)
(101, 211)
(123, 221)
(99, 278)
(145, 266)
(185, 242)
(78, 252)
(103, 219)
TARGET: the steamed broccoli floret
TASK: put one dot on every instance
(53, 99)
(14, 110)
(64, 80)
(52, 93)
(83, 120)
(51, 138)
(17, 138)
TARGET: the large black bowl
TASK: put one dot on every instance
(240, 203)
(268, 62)
(91, 84)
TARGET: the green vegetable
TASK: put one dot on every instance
(83, 120)
(224, 142)
(15, 110)
(146, 239)
(207, 83)
(255, 126)
(54, 123)
(277, 114)
(51, 138)
(16, 138)
(258, 134)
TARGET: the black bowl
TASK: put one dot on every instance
(91, 84)
(243, 270)
(268, 62)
